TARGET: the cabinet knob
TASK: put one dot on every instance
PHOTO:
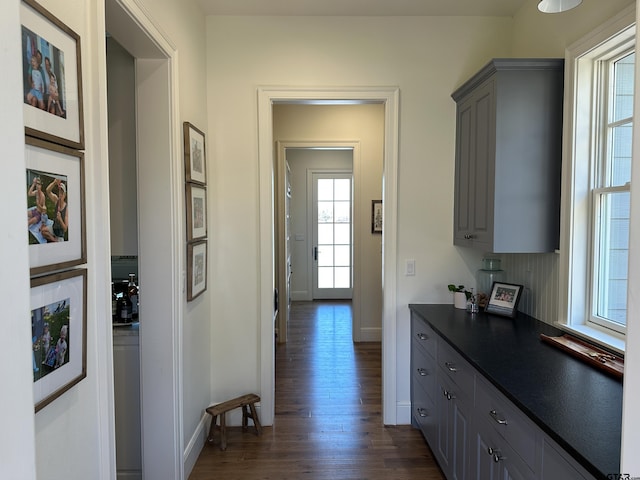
(450, 366)
(497, 419)
(422, 372)
(448, 394)
(496, 454)
(422, 412)
(422, 336)
(469, 236)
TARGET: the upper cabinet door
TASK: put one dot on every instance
(508, 157)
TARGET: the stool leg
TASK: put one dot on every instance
(212, 428)
(223, 432)
(254, 416)
(245, 416)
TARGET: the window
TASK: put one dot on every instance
(597, 175)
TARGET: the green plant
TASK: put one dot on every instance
(460, 288)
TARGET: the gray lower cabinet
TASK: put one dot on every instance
(508, 157)
(473, 430)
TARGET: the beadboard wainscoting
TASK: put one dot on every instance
(538, 272)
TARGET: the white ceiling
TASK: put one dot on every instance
(363, 7)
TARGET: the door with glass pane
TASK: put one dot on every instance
(332, 236)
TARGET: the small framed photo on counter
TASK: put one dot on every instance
(504, 299)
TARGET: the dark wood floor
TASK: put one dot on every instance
(328, 422)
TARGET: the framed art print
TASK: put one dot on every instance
(196, 212)
(196, 269)
(195, 158)
(55, 220)
(51, 73)
(504, 299)
(59, 334)
(376, 216)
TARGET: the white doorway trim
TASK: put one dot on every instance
(160, 237)
(267, 96)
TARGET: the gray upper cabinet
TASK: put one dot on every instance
(508, 157)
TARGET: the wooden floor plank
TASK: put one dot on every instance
(328, 405)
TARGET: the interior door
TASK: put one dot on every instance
(332, 235)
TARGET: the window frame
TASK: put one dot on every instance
(582, 77)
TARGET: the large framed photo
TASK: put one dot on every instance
(196, 269)
(59, 334)
(196, 212)
(195, 157)
(504, 299)
(54, 186)
(51, 72)
(376, 216)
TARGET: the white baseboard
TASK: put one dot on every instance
(195, 445)
(371, 334)
(403, 413)
(129, 475)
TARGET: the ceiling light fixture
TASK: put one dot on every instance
(557, 6)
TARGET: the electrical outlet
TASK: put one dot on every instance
(410, 268)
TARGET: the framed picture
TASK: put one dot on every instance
(51, 73)
(195, 157)
(196, 269)
(376, 216)
(54, 186)
(504, 299)
(58, 333)
(196, 212)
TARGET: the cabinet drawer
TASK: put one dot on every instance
(456, 368)
(423, 369)
(423, 335)
(424, 413)
(493, 408)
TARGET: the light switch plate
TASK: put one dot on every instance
(410, 268)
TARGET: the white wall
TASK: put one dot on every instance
(122, 150)
(247, 52)
(17, 446)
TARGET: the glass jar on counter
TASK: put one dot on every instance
(489, 273)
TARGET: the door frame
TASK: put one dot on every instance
(281, 157)
(267, 97)
(158, 152)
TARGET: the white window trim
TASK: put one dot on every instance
(575, 202)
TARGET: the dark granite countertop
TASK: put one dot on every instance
(577, 405)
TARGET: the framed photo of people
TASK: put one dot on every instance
(195, 160)
(51, 73)
(196, 212)
(504, 299)
(196, 269)
(59, 333)
(54, 187)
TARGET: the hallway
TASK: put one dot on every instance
(328, 422)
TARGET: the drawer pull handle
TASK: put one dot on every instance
(422, 372)
(496, 454)
(451, 366)
(422, 336)
(494, 415)
(422, 412)
(448, 394)
(469, 236)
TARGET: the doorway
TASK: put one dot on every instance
(158, 141)
(332, 238)
(267, 98)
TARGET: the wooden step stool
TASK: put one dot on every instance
(247, 403)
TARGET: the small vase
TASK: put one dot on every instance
(460, 300)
